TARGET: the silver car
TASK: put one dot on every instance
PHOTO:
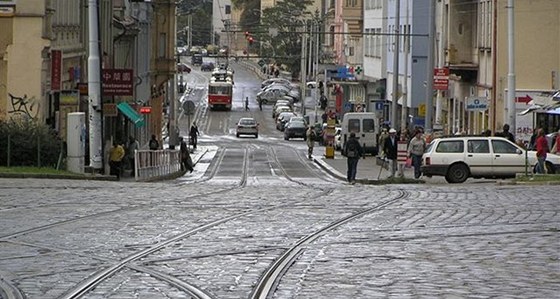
(247, 126)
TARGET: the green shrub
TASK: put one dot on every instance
(28, 143)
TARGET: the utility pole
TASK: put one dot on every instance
(173, 131)
(511, 67)
(430, 68)
(441, 61)
(303, 72)
(316, 70)
(404, 109)
(395, 95)
(95, 107)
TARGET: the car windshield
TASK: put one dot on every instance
(297, 124)
(247, 121)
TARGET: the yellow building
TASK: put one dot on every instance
(24, 57)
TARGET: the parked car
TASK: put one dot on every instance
(183, 68)
(247, 126)
(296, 129)
(207, 66)
(458, 158)
(275, 80)
(270, 96)
(282, 119)
(279, 110)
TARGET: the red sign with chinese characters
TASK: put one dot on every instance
(56, 70)
(441, 78)
(117, 82)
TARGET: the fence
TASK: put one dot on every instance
(154, 165)
(32, 152)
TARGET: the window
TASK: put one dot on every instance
(478, 146)
(354, 125)
(455, 146)
(368, 125)
(503, 147)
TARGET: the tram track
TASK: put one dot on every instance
(100, 276)
(273, 274)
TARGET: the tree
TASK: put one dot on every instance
(201, 11)
(289, 19)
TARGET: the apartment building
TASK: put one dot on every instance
(221, 17)
(475, 45)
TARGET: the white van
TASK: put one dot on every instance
(366, 127)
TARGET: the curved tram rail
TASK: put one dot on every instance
(269, 280)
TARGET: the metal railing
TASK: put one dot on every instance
(153, 165)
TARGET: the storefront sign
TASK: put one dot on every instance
(56, 70)
(117, 82)
(441, 78)
(476, 104)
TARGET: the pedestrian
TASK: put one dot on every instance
(353, 151)
(310, 138)
(133, 146)
(506, 133)
(246, 103)
(381, 141)
(193, 135)
(390, 149)
(403, 138)
(153, 144)
(260, 104)
(186, 160)
(542, 148)
(116, 154)
(416, 149)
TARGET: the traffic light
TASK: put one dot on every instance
(250, 39)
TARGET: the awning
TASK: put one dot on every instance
(131, 114)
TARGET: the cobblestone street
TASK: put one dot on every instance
(480, 241)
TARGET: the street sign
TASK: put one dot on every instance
(441, 78)
(476, 104)
(378, 105)
(189, 107)
(422, 110)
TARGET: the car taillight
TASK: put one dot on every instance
(428, 161)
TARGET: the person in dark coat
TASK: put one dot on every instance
(507, 134)
(390, 149)
(194, 135)
(186, 161)
(353, 151)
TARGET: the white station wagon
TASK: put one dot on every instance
(460, 157)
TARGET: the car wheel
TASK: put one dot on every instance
(286, 137)
(256, 135)
(237, 135)
(457, 173)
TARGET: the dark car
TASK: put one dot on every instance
(207, 66)
(296, 129)
(196, 59)
(183, 68)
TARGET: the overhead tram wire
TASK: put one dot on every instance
(333, 33)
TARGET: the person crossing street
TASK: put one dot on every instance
(353, 151)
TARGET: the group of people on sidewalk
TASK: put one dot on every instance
(389, 149)
(121, 156)
(416, 144)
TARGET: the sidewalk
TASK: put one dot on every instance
(368, 170)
